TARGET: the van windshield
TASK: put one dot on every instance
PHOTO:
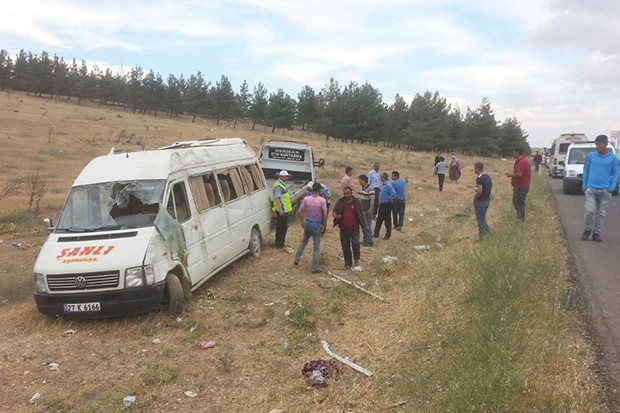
(577, 156)
(111, 205)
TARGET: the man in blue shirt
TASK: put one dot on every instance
(600, 177)
(384, 214)
(482, 198)
(398, 208)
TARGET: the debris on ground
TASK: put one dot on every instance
(70, 331)
(357, 268)
(18, 244)
(52, 366)
(318, 371)
(388, 259)
(129, 400)
(344, 280)
(190, 394)
(345, 360)
(421, 247)
(156, 341)
(207, 344)
(35, 398)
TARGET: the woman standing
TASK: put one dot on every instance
(455, 170)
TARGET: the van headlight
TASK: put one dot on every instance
(139, 276)
(571, 174)
(39, 282)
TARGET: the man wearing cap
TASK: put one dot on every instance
(600, 176)
(282, 207)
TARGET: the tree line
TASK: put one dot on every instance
(353, 113)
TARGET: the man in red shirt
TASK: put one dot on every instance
(349, 214)
(520, 179)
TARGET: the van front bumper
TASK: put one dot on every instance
(113, 303)
(572, 185)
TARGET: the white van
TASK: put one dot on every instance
(557, 153)
(576, 154)
(141, 230)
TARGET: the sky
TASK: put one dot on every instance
(553, 65)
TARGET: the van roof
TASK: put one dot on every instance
(159, 163)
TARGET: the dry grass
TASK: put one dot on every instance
(156, 358)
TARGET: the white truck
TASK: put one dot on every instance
(142, 230)
(296, 158)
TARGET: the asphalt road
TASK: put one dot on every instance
(596, 268)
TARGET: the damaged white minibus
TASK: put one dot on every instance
(142, 230)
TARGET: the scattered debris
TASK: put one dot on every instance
(268, 304)
(70, 331)
(410, 219)
(129, 400)
(208, 344)
(320, 370)
(35, 398)
(357, 268)
(345, 360)
(286, 345)
(289, 250)
(421, 247)
(567, 299)
(156, 341)
(190, 393)
(355, 285)
(388, 259)
(275, 411)
(52, 366)
(179, 320)
(18, 244)
(192, 329)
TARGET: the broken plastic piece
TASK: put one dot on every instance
(35, 398)
(129, 400)
(344, 360)
(207, 344)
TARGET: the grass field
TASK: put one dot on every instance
(466, 326)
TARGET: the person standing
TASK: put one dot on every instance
(347, 181)
(374, 180)
(482, 198)
(386, 198)
(537, 161)
(455, 170)
(520, 179)
(398, 207)
(349, 214)
(367, 196)
(600, 177)
(313, 216)
(440, 172)
(281, 208)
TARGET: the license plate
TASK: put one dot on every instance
(81, 307)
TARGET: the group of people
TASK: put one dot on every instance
(454, 170)
(384, 200)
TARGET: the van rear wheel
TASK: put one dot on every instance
(173, 300)
(255, 243)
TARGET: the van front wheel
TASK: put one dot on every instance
(255, 243)
(173, 295)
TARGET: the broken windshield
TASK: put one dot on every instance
(111, 205)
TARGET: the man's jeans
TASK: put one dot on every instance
(481, 207)
(398, 212)
(597, 201)
(367, 233)
(315, 233)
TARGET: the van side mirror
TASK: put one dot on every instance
(48, 225)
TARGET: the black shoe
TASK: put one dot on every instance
(597, 237)
(586, 235)
(316, 271)
(295, 262)
(375, 235)
(386, 237)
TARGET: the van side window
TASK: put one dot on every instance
(211, 189)
(257, 179)
(178, 205)
(231, 185)
(200, 194)
(246, 177)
